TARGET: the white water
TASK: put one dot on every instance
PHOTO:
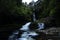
(26, 26)
(34, 18)
(41, 26)
(25, 35)
(14, 36)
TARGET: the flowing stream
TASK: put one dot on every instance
(27, 33)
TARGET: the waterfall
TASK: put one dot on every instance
(34, 18)
(41, 26)
(26, 35)
(26, 26)
(14, 35)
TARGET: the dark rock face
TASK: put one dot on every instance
(49, 22)
(33, 26)
(41, 36)
(4, 35)
(10, 19)
(57, 14)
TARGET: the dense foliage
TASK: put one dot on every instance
(47, 11)
(13, 9)
(46, 8)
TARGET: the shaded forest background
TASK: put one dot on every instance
(13, 13)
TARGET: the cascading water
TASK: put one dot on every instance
(41, 26)
(27, 33)
(34, 18)
(14, 35)
(26, 26)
